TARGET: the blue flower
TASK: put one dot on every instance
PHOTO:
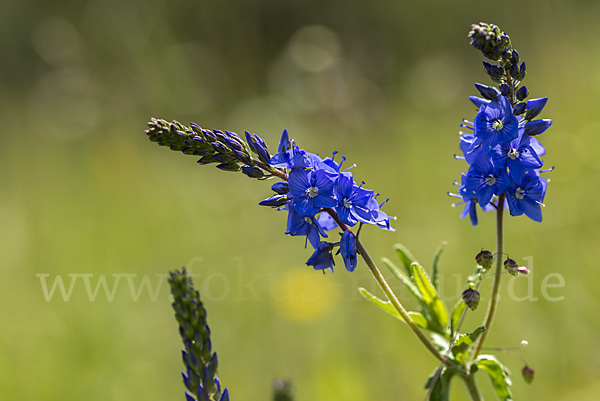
(483, 180)
(322, 259)
(348, 250)
(304, 225)
(518, 155)
(311, 190)
(495, 123)
(526, 195)
(470, 208)
(352, 201)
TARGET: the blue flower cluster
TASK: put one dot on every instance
(319, 197)
(503, 153)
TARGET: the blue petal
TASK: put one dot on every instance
(532, 209)
(284, 142)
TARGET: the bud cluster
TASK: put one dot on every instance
(224, 148)
(200, 377)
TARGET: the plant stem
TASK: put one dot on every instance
(397, 305)
(489, 317)
(472, 387)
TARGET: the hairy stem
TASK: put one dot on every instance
(491, 311)
(472, 387)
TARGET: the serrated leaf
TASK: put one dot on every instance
(461, 348)
(402, 277)
(441, 387)
(405, 257)
(434, 264)
(433, 306)
(499, 375)
(456, 315)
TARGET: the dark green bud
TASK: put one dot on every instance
(471, 298)
(528, 374)
(484, 259)
(229, 167)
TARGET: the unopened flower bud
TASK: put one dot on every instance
(522, 93)
(471, 298)
(519, 108)
(488, 92)
(528, 374)
(484, 259)
(505, 90)
(252, 172)
(274, 201)
(280, 188)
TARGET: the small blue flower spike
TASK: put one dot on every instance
(501, 145)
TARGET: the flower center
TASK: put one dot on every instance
(490, 180)
(513, 154)
(519, 193)
(347, 203)
(308, 220)
(497, 125)
(312, 191)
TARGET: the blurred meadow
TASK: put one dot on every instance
(85, 197)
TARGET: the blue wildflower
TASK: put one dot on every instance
(352, 201)
(348, 250)
(298, 224)
(517, 155)
(526, 195)
(483, 180)
(311, 190)
(470, 208)
(495, 123)
(322, 259)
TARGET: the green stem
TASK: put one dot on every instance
(397, 305)
(472, 387)
(489, 317)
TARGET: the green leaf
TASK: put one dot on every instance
(499, 374)
(461, 348)
(441, 388)
(434, 265)
(433, 306)
(384, 305)
(402, 277)
(405, 257)
(387, 306)
(475, 334)
(456, 315)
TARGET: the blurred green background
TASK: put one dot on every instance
(85, 195)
